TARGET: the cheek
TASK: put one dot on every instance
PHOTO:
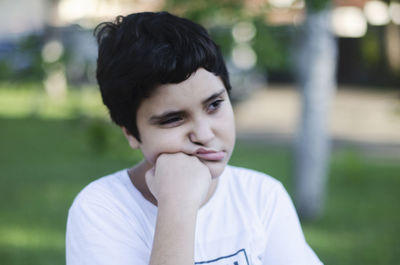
(165, 142)
(227, 126)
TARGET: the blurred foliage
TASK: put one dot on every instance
(204, 10)
(222, 35)
(5, 70)
(31, 45)
(30, 100)
(271, 43)
(316, 5)
(274, 45)
(370, 47)
(97, 135)
(23, 60)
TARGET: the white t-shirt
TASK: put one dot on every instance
(250, 219)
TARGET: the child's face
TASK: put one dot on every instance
(194, 117)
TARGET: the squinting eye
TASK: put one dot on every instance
(215, 105)
(171, 121)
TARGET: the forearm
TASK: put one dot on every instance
(174, 235)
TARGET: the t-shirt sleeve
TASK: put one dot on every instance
(97, 235)
(286, 244)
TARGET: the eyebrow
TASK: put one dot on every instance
(214, 96)
(170, 114)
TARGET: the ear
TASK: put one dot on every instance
(133, 142)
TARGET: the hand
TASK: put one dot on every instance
(179, 179)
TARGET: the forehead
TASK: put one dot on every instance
(191, 92)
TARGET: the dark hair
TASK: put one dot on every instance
(143, 50)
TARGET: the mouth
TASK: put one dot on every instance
(210, 155)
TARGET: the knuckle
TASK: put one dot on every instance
(162, 156)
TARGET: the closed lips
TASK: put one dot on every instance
(210, 154)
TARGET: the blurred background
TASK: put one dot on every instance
(316, 93)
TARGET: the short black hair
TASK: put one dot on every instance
(141, 51)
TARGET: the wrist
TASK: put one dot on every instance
(172, 204)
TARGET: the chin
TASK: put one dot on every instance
(216, 169)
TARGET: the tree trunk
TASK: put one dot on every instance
(316, 71)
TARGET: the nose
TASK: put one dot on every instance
(201, 132)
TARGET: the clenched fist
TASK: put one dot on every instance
(179, 179)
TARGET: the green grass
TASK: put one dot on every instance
(45, 163)
(31, 100)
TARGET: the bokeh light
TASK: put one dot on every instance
(243, 56)
(377, 13)
(52, 51)
(394, 11)
(243, 31)
(349, 22)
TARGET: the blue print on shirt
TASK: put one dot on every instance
(238, 258)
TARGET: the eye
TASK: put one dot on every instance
(215, 105)
(171, 121)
